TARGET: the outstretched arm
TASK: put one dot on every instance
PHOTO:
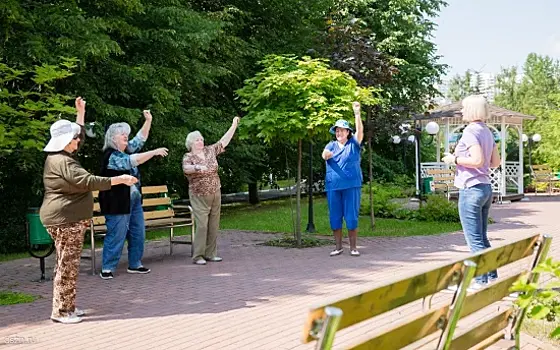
(358, 122)
(229, 134)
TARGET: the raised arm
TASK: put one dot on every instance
(81, 119)
(80, 111)
(138, 141)
(358, 122)
(145, 131)
(229, 134)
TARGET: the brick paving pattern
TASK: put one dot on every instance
(256, 299)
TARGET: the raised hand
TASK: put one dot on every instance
(356, 107)
(80, 105)
(148, 115)
(236, 121)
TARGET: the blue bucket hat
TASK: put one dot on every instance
(341, 123)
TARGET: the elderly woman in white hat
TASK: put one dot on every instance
(344, 180)
(68, 207)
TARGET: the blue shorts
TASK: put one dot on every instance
(344, 204)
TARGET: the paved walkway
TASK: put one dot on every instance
(256, 299)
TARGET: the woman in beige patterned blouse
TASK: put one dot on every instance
(201, 169)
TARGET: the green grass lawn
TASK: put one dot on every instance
(12, 298)
(276, 216)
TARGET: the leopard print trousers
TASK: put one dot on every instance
(69, 241)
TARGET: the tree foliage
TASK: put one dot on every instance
(295, 99)
(537, 93)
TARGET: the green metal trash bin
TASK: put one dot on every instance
(37, 232)
(427, 184)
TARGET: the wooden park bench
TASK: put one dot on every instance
(158, 214)
(543, 174)
(442, 182)
(491, 317)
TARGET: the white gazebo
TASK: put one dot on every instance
(507, 179)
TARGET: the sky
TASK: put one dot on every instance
(487, 35)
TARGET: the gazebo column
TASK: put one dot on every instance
(446, 135)
(503, 136)
(520, 184)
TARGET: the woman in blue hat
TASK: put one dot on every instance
(344, 180)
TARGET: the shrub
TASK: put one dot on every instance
(438, 208)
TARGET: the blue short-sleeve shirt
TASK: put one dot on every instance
(343, 169)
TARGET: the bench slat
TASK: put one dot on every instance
(148, 215)
(154, 189)
(492, 259)
(419, 327)
(145, 190)
(370, 303)
(359, 307)
(440, 171)
(482, 331)
(156, 223)
(147, 202)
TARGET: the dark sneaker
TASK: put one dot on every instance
(106, 275)
(140, 269)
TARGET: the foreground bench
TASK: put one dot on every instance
(435, 328)
(158, 214)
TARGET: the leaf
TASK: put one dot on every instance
(555, 333)
(539, 312)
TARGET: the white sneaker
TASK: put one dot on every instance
(476, 286)
(472, 288)
(354, 252)
(70, 319)
(200, 261)
(79, 312)
(336, 252)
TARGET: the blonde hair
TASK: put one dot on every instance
(191, 137)
(475, 107)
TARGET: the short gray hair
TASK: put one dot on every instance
(475, 107)
(191, 137)
(114, 130)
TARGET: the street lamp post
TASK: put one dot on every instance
(530, 140)
(310, 225)
(415, 135)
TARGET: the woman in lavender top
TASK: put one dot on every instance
(475, 154)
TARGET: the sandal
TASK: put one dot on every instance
(336, 252)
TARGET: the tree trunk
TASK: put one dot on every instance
(298, 197)
(370, 153)
(253, 193)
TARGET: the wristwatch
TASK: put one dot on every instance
(456, 160)
(196, 168)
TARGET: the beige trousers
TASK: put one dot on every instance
(206, 210)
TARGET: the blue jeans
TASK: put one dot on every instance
(129, 227)
(474, 207)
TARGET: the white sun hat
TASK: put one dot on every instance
(62, 132)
